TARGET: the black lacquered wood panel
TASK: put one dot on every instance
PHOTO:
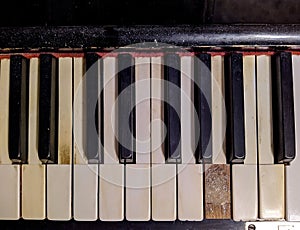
(18, 108)
(283, 108)
(126, 109)
(48, 109)
(234, 98)
(172, 108)
(202, 101)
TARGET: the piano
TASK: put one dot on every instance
(150, 126)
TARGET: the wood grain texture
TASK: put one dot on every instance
(217, 191)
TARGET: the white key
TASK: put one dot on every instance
(190, 192)
(271, 177)
(85, 179)
(138, 175)
(33, 173)
(157, 126)
(271, 191)
(33, 191)
(59, 175)
(9, 174)
(163, 175)
(292, 183)
(85, 201)
(142, 81)
(218, 110)
(244, 177)
(164, 192)
(187, 109)
(111, 192)
(111, 181)
(138, 192)
(190, 175)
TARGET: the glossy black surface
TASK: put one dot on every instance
(93, 112)
(234, 97)
(95, 225)
(202, 101)
(126, 116)
(18, 108)
(48, 109)
(172, 108)
(283, 108)
(49, 38)
(101, 12)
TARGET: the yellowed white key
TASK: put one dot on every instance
(111, 181)
(138, 175)
(85, 176)
(271, 177)
(163, 175)
(244, 176)
(9, 174)
(292, 184)
(33, 173)
(59, 176)
(190, 175)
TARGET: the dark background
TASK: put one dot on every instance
(160, 12)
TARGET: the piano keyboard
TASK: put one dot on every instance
(173, 135)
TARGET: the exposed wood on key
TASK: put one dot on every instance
(217, 191)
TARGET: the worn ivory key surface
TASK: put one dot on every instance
(292, 184)
(190, 175)
(111, 180)
(163, 201)
(271, 177)
(33, 173)
(9, 174)
(59, 176)
(244, 176)
(138, 175)
(85, 180)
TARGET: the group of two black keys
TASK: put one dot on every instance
(282, 95)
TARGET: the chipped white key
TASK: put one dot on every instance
(271, 177)
(59, 177)
(111, 181)
(244, 176)
(163, 175)
(190, 175)
(85, 179)
(292, 184)
(138, 175)
(217, 206)
(33, 173)
(9, 174)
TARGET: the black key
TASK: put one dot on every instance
(126, 116)
(172, 108)
(234, 97)
(93, 111)
(283, 108)
(202, 100)
(18, 108)
(48, 109)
